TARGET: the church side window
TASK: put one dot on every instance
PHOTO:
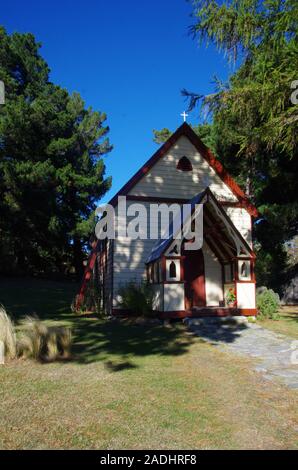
(172, 270)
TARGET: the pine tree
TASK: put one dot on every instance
(254, 121)
(51, 168)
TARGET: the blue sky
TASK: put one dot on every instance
(129, 59)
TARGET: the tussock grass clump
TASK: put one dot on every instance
(44, 343)
(7, 334)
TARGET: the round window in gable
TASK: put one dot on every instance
(184, 164)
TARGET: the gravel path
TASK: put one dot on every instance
(276, 354)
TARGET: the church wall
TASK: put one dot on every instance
(213, 278)
(246, 295)
(129, 261)
(173, 297)
(130, 257)
(165, 180)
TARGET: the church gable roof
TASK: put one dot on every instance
(216, 223)
(186, 131)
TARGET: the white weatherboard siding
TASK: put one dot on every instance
(173, 297)
(165, 180)
(213, 278)
(246, 296)
(242, 221)
(129, 262)
(130, 257)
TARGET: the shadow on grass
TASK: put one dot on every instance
(117, 367)
(96, 340)
(46, 299)
(227, 333)
(290, 317)
(112, 342)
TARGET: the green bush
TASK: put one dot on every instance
(268, 304)
(137, 298)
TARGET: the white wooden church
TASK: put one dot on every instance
(217, 279)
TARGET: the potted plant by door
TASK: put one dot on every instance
(231, 298)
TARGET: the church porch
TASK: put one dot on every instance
(216, 281)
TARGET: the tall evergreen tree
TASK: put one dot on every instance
(254, 121)
(51, 166)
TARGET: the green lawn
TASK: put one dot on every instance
(134, 387)
(287, 323)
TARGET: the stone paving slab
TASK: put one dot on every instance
(273, 352)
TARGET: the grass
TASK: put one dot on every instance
(133, 387)
(46, 299)
(287, 323)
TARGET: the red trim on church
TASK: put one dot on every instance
(199, 312)
(87, 276)
(209, 312)
(171, 200)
